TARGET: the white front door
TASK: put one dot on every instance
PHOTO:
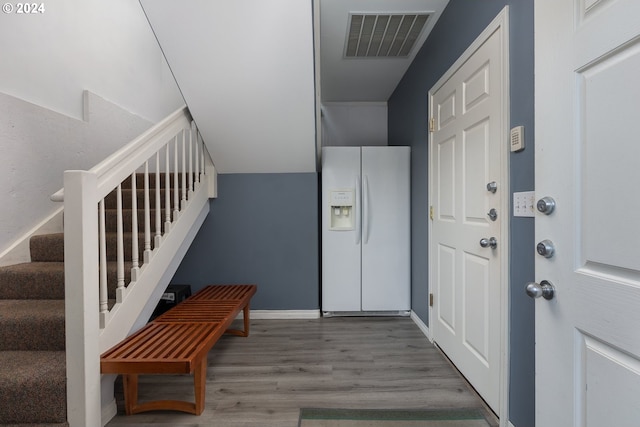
(587, 160)
(468, 151)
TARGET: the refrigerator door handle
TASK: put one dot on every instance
(366, 210)
(356, 213)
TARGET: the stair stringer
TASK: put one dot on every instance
(129, 315)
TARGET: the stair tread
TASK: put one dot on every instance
(23, 367)
(45, 266)
(32, 280)
(32, 385)
(29, 325)
(23, 309)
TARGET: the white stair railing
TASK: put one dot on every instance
(173, 155)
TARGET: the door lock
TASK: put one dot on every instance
(546, 205)
(493, 214)
(546, 248)
(491, 242)
(492, 187)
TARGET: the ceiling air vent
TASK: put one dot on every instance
(383, 35)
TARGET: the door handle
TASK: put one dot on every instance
(491, 242)
(357, 208)
(544, 289)
(366, 212)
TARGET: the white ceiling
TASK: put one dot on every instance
(367, 79)
(246, 70)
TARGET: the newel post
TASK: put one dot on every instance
(81, 298)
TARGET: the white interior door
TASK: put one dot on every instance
(468, 151)
(587, 151)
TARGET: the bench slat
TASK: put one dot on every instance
(225, 292)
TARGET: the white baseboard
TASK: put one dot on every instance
(283, 314)
(420, 324)
(109, 411)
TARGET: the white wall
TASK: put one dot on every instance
(37, 145)
(354, 123)
(246, 70)
(106, 47)
(47, 61)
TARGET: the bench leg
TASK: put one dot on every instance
(245, 332)
(245, 316)
(199, 385)
(130, 385)
(131, 405)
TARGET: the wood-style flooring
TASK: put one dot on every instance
(284, 365)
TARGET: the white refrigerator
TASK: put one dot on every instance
(366, 230)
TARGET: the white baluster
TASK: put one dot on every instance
(190, 166)
(201, 148)
(167, 195)
(176, 192)
(158, 235)
(119, 247)
(102, 238)
(135, 262)
(183, 202)
(147, 216)
(194, 138)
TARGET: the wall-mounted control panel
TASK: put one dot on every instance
(342, 207)
(517, 138)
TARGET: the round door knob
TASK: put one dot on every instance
(491, 242)
(544, 289)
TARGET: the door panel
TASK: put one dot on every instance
(446, 303)
(446, 190)
(587, 340)
(475, 173)
(600, 404)
(476, 333)
(605, 147)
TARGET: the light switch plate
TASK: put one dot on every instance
(524, 203)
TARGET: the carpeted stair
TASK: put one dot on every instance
(32, 341)
(32, 334)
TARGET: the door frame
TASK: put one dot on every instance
(499, 23)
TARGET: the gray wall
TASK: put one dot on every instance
(262, 229)
(461, 22)
(354, 124)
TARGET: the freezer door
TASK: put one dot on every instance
(340, 248)
(386, 260)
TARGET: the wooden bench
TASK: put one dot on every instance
(177, 342)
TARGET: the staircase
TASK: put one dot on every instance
(118, 265)
(32, 316)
